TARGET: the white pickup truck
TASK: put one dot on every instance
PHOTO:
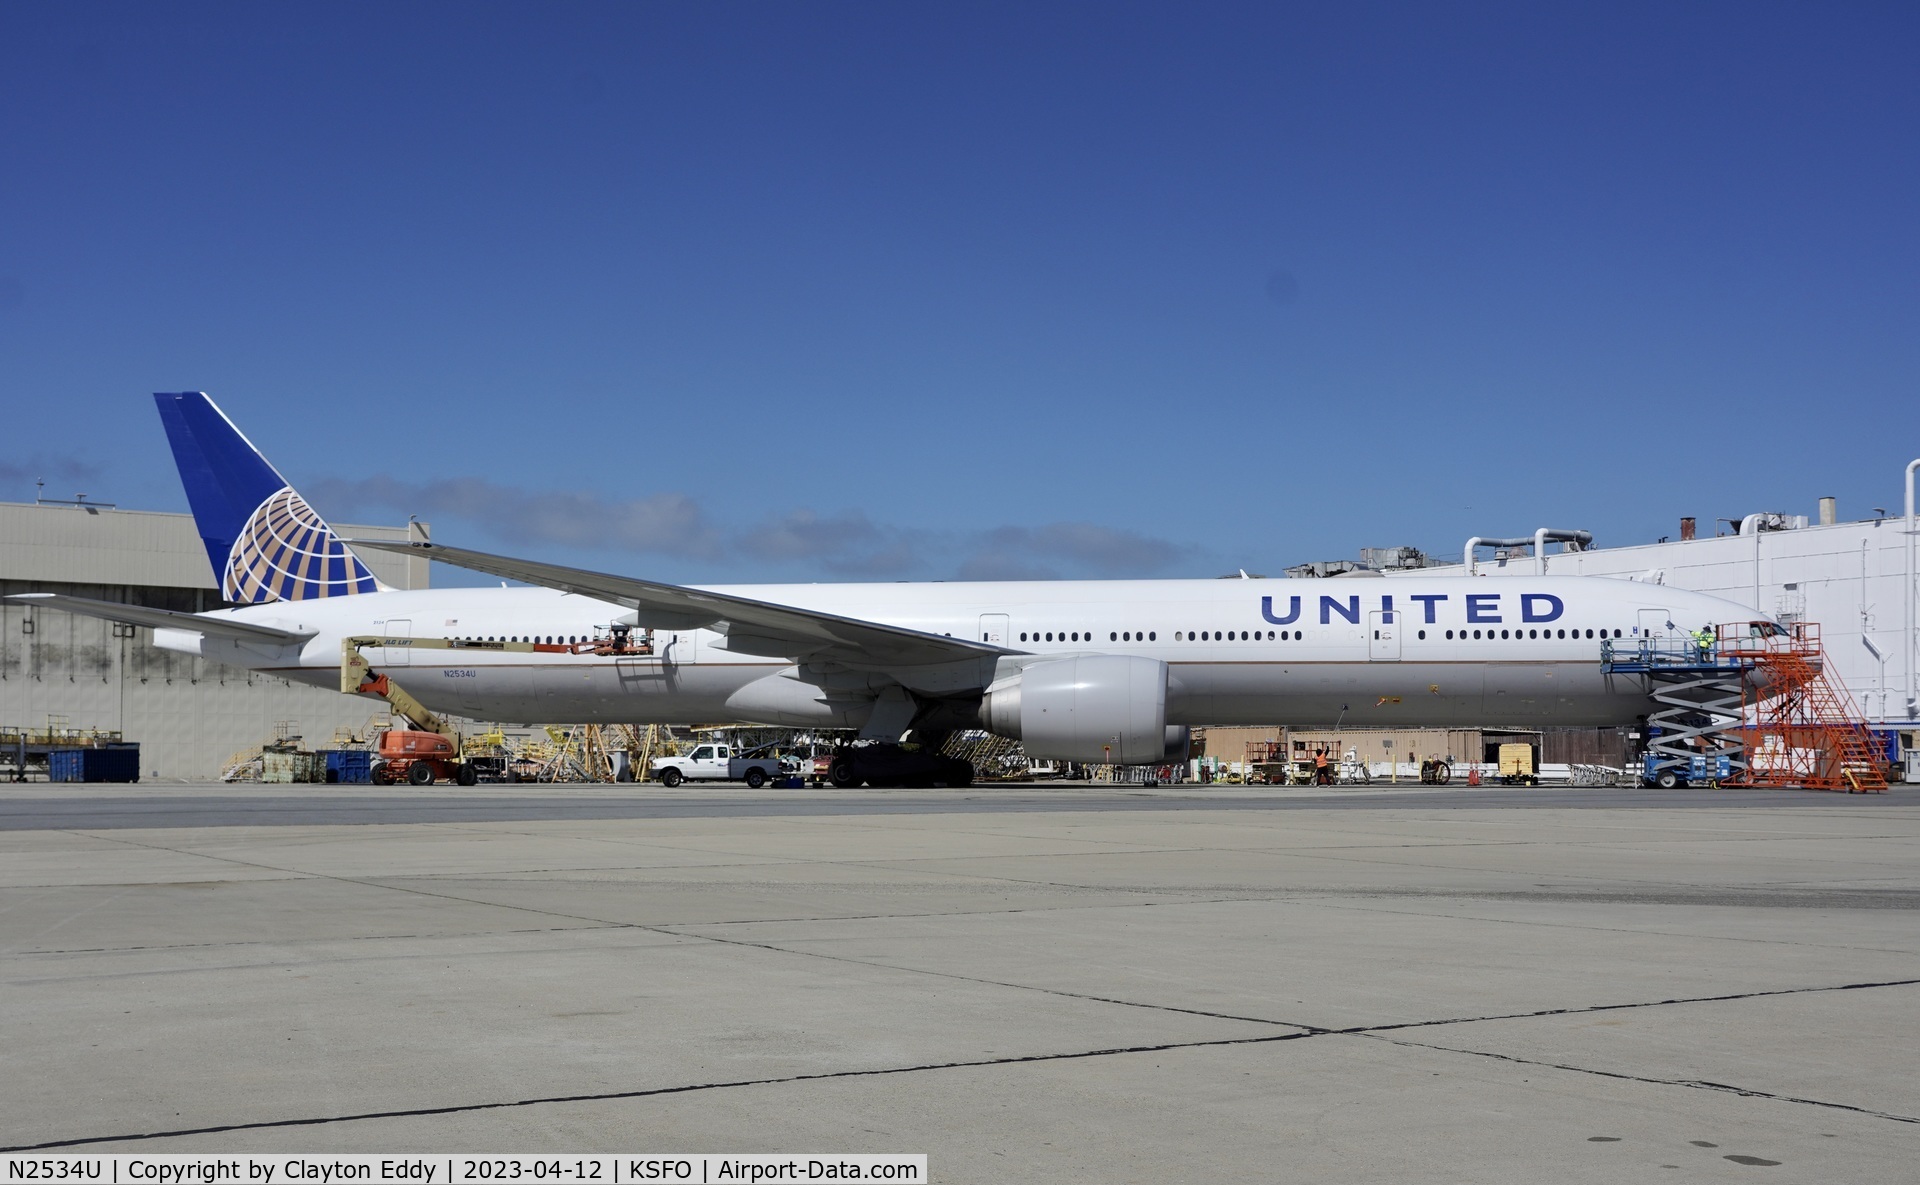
(715, 763)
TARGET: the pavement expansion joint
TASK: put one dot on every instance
(1691, 1083)
(1302, 1032)
(1589, 1008)
(656, 1092)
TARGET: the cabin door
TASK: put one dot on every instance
(1383, 635)
(398, 656)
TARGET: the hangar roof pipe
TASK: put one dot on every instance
(1575, 541)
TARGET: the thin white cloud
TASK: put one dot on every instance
(844, 544)
(663, 524)
(60, 469)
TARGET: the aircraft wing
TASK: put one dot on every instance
(751, 627)
(165, 619)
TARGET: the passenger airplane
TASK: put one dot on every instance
(1095, 671)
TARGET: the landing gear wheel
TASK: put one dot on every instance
(756, 778)
(842, 774)
(466, 775)
(421, 774)
(1666, 779)
(670, 777)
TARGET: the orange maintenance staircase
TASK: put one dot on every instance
(1801, 727)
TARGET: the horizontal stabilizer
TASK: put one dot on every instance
(165, 619)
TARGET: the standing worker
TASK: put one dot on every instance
(1703, 638)
(1320, 773)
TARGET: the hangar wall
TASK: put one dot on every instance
(1848, 577)
(187, 713)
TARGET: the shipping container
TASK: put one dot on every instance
(280, 766)
(116, 763)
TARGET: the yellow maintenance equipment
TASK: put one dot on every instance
(357, 676)
(1516, 765)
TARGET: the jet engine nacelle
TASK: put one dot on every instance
(1097, 708)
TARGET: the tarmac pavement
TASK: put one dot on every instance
(1028, 984)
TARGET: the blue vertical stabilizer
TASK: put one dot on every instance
(265, 542)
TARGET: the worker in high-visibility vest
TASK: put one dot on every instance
(1703, 638)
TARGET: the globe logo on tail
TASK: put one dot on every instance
(286, 552)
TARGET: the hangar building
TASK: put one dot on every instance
(188, 714)
(1851, 578)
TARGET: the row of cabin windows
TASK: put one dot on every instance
(1282, 636)
(1524, 634)
(1116, 636)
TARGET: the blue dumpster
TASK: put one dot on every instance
(116, 763)
(349, 765)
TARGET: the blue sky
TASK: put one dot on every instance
(755, 292)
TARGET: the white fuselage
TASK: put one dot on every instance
(1437, 651)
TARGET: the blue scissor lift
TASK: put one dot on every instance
(1690, 735)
